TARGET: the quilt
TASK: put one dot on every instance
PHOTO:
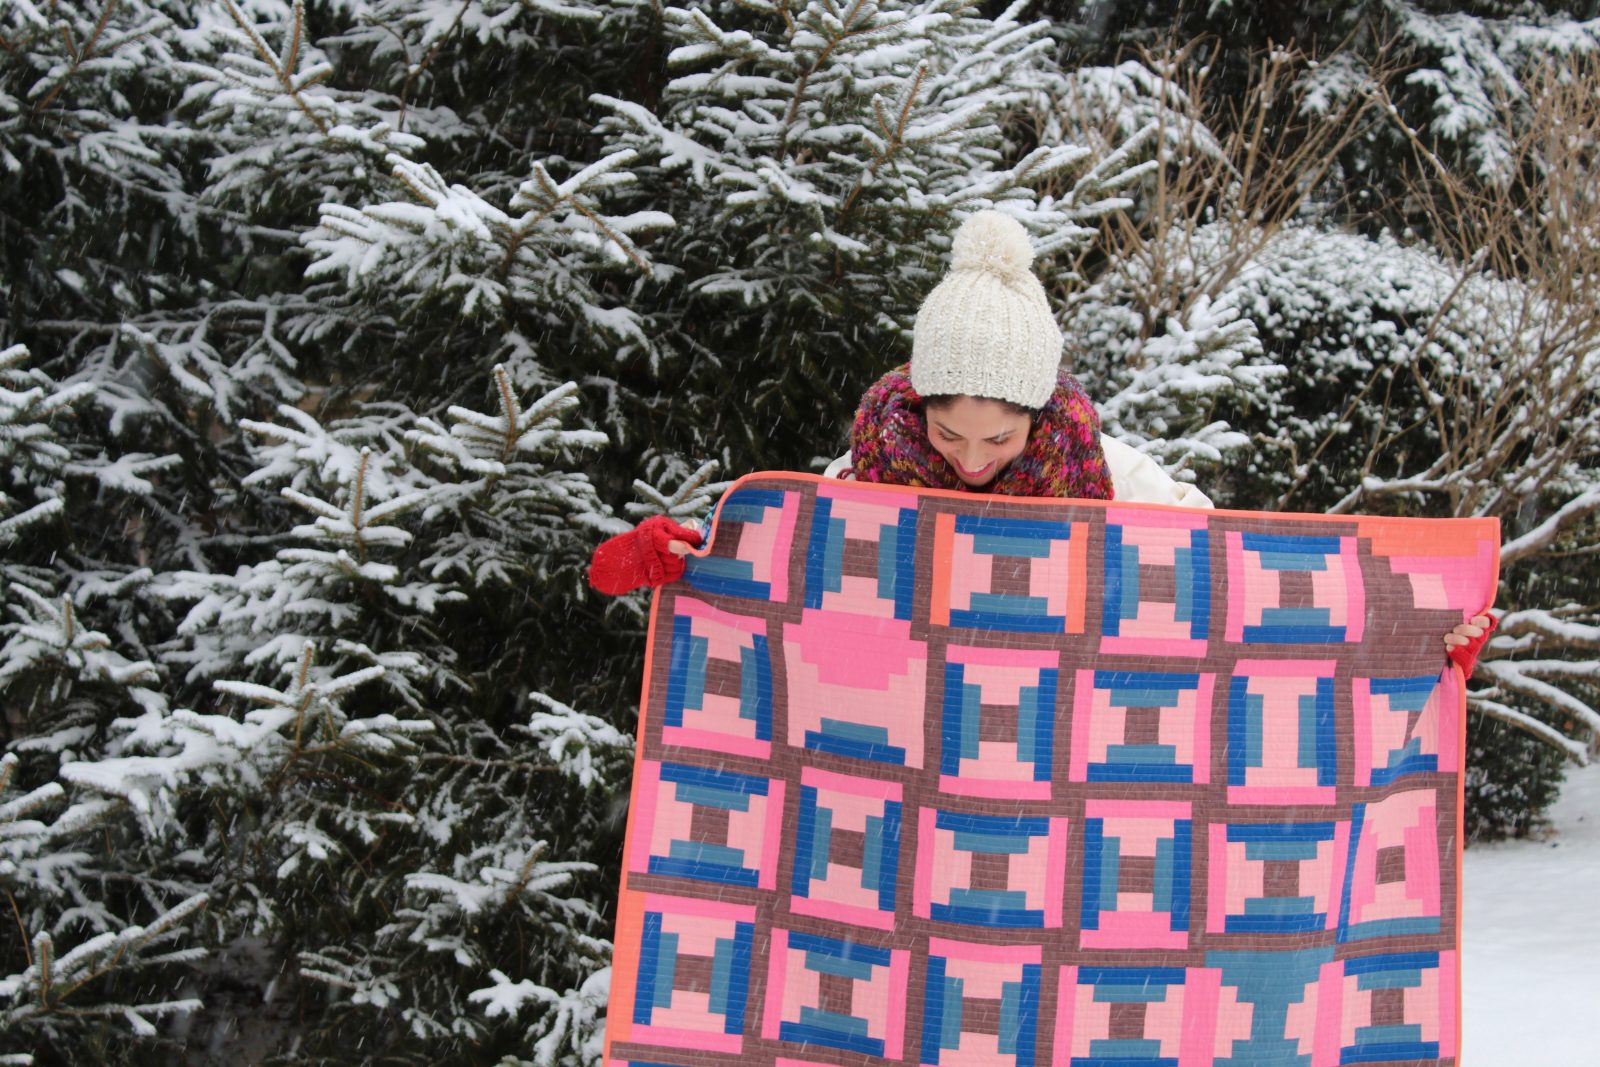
(949, 779)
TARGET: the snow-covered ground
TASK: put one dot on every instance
(1531, 941)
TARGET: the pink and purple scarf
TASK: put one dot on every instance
(889, 443)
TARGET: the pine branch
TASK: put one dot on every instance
(79, 56)
(283, 71)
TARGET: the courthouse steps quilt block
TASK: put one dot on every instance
(953, 780)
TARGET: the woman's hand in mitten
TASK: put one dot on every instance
(649, 554)
(1463, 643)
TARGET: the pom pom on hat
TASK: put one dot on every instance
(993, 242)
(986, 330)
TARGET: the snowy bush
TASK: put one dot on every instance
(1451, 372)
(1452, 395)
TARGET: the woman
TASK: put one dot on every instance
(983, 406)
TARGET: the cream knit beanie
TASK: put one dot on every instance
(987, 330)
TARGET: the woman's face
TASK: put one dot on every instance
(977, 437)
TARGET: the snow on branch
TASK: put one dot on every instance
(1520, 677)
(1167, 387)
(503, 875)
(365, 979)
(355, 525)
(34, 854)
(51, 981)
(301, 451)
(574, 1018)
(44, 634)
(30, 445)
(300, 723)
(1545, 534)
(511, 479)
(690, 500)
(578, 743)
(486, 444)
(1530, 628)
(1477, 73)
(450, 242)
(1575, 750)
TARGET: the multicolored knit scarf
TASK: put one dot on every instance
(889, 443)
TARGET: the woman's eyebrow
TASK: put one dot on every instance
(948, 432)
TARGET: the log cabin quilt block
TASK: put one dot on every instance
(951, 779)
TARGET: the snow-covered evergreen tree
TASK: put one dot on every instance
(391, 751)
(93, 931)
(280, 548)
(816, 159)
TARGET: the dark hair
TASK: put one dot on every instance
(944, 400)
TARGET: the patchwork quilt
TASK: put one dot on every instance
(934, 778)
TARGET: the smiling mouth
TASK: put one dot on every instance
(980, 472)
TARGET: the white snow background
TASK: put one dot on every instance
(1531, 940)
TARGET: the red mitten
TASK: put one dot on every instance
(639, 557)
(1466, 656)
